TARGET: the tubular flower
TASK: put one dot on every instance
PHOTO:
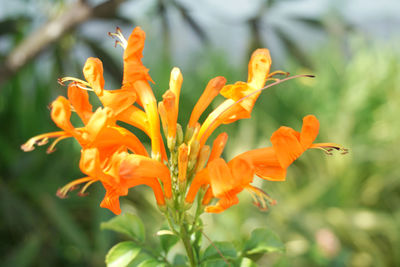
(115, 157)
(231, 110)
(270, 163)
(226, 180)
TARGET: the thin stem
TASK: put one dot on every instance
(171, 226)
(188, 246)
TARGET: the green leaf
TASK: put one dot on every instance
(263, 241)
(167, 239)
(246, 262)
(122, 254)
(180, 260)
(215, 263)
(225, 248)
(127, 224)
(151, 263)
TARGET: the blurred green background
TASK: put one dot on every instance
(332, 210)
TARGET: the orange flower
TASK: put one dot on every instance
(270, 163)
(117, 175)
(114, 156)
(100, 129)
(226, 180)
(231, 110)
(212, 90)
(171, 105)
(136, 77)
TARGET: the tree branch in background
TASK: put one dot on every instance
(36, 42)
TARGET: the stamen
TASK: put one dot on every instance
(261, 199)
(41, 140)
(81, 192)
(62, 192)
(278, 72)
(329, 147)
(118, 34)
(51, 148)
(72, 79)
(273, 79)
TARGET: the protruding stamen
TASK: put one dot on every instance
(62, 192)
(78, 81)
(81, 192)
(51, 148)
(278, 72)
(329, 147)
(260, 198)
(41, 140)
(121, 39)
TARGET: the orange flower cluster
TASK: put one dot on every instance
(114, 156)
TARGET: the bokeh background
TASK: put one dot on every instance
(332, 210)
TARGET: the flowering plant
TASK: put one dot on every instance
(191, 171)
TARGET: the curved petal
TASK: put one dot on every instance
(134, 166)
(266, 164)
(309, 131)
(201, 178)
(242, 172)
(218, 146)
(111, 199)
(259, 66)
(79, 99)
(133, 67)
(61, 113)
(223, 204)
(286, 144)
(118, 100)
(93, 72)
(213, 88)
(98, 122)
(221, 179)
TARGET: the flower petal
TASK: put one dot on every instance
(93, 72)
(286, 144)
(133, 67)
(309, 131)
(61, 113)
(80, 101)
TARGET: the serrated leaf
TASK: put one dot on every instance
(127, 224)
(263, 241)
(225, 248)
(122, 254)
(167, 239)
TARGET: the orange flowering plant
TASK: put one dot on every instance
(190, 171)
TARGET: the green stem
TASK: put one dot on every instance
(188, 246)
